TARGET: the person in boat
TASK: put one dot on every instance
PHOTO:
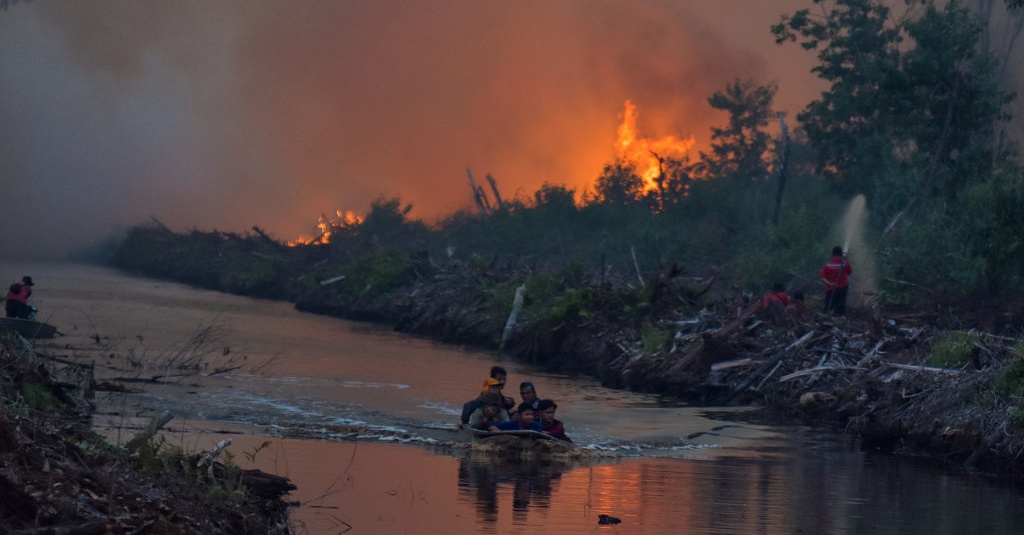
(551, 426)
(528, 394)
(490, 413)
(17, 299)
(491, 386)
(499, 373)
(527, 421)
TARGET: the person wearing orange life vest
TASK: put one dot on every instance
(835, 274)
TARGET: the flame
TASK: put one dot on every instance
(644, 152)
(326, 226)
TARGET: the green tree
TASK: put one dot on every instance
(740, 149)
(619, 184)
(913, 102)
(858, 52)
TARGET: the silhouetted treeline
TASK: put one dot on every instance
(915, 120)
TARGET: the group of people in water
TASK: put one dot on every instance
(492, 410)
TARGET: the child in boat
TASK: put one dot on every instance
(546, 408)
(527, 421)
(490, 413)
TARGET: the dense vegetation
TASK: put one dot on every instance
(914, 121)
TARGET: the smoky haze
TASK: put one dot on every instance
(229, 114)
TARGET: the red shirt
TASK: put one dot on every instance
(775, 297)
(22, 295)
(557, 430)
(835, 272)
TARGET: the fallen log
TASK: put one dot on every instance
(911, 367)
(768, 367)
(816, 369)
(155, 425)
(696, 353)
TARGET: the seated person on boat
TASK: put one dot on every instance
(546, 409)
(491, 386)
(527, 421)
(490, 413)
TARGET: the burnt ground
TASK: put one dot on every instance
(58, 477)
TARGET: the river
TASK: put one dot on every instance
(361, 419)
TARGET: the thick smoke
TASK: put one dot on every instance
(224, 115)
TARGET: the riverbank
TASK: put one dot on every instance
(944, 380)
(59, 476)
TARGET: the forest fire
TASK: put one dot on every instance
(326, 226)
(646, 154)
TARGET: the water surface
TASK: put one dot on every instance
(362, 420)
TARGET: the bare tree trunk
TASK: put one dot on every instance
(478, 196)
(498, 203)
(782, 170)
(517, 304)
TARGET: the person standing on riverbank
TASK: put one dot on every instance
(17, 299)
(835, 274)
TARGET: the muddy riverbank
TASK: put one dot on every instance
(940, 379)
(61, 477)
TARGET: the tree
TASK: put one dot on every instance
(913, 102)
(857, 51)
(619, 184)
(740, 148)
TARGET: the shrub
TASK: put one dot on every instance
(953, 351)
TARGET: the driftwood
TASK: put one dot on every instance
(332, 280)
(719, 366)
(696, 353)
(156, 424)
(911, 367)
(209, 456)
(769, 367)
(816, 369)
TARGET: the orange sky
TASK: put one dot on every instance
(224, 115)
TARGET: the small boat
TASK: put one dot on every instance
(29, 329)
(520, 442)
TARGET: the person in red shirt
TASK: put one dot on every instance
(775, 302)
(17, 299)
(835, 274)
(776, 298)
